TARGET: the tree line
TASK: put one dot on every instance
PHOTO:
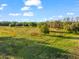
(6, 23)
(68, 24)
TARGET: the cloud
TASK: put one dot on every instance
(70, 13)
(29, 3)
(25, 8)
(60, 16)
(33, 2)
(28, 14)
(40, 7)
(14, 14)
(50, 18)
(2, 6)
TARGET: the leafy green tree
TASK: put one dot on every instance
(74, 27)
(33, 24)
(19, 24)
(12, 24)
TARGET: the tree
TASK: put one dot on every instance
(74, 27)
(12, 24)
(33, 24)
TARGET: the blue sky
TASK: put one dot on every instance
(37, 10)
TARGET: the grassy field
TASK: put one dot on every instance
(29, 43)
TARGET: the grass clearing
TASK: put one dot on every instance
(29, 43)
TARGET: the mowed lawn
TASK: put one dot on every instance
(30, 43)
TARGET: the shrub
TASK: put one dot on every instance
(45, 29)
(34, 33)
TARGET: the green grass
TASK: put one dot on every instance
(29, 43)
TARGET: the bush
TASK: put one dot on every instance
(34, 33)
(45, 29)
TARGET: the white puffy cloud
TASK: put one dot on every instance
(60, 16)
(2, 6)
(28, 14)
(70, 13)
(40, 7)
(25, 8)
(28, 4)
(33, 2)
(51, 18)
(14, 14)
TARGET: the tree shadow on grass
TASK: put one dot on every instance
(62, 32)
(22, 48)
(63, 37)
